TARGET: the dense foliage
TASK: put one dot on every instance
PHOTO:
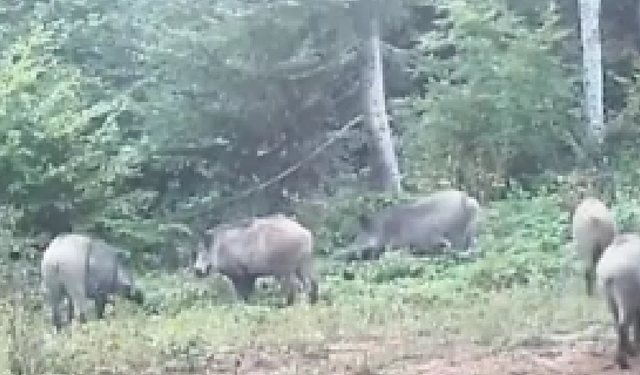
(142, 120)
(501, 102)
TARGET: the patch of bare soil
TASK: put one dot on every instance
(403, 356)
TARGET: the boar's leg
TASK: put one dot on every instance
(636, 333)
(624, 347)
(244, 285)
(313, 291)
(588, 278)
(69, 309)
(80, 303)
(56, 316)
(622, 330)
(415, 250)
(100, 302)
(372, 253)
(55, 297)
(589, 275)
(307, 276)
(288, 286)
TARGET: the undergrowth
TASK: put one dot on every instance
(517, 290)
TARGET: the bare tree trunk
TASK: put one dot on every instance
(638, 25)
(374, 104)
(592, 64)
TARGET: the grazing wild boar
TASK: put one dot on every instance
(618, 277)
(265, 246)
(82, 268)
(445, 219)
(593, 229)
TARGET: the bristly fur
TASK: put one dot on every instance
(446, 218)
(593, 229)
(618, 276)
(82, 269)
(274, 245)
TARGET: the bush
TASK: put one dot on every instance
(185, 319)
(485, 115)
(522, 239)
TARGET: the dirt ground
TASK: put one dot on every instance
(401, 356)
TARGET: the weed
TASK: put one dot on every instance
(398, 306)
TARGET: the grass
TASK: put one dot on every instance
(397, 307)
(130, 341)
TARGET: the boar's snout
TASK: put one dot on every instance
(202, 271)
(133, 294)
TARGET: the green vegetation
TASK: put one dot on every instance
(142, 121)
(517, 292)
(142, 134)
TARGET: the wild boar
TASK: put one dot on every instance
(81, 268)
(593, 229)
(267, 246)
(618, 277)
(445, 219)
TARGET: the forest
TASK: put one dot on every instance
(146, 123)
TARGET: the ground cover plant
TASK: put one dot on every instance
(389, 314)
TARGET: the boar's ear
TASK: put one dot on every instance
(365, 221)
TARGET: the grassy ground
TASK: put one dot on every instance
(423, 313)
(393, 310)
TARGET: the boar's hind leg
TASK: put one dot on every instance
(55, 297)
(56, 316)
(622, 321)
(636, 334)
(624, 347)
(589, 275)
(69, 309)
(288, 286)
(244, 286)
(588, 278)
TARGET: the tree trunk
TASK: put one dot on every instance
(375, 112)
(592, 64)
(638, 25)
